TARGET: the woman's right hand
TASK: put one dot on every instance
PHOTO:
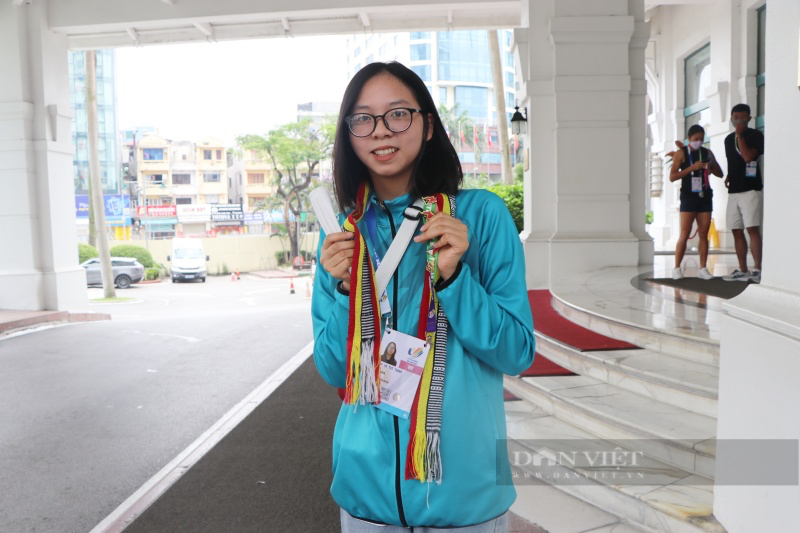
(700, 165)
(337, 255)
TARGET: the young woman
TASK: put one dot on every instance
(388, 355)
(692, 165)
(460, 286)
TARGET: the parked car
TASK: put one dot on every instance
(127, 270)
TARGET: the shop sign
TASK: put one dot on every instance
(227, 213)
(194, 212)
(166, 211)
(117, 207)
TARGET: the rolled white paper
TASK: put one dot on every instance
(323, 208)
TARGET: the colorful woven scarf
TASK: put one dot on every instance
(363, 330)
(423, 457)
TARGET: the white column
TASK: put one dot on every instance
(580, 86)
(760, 348)
(639, 177)
(40, 268)
(534, 55)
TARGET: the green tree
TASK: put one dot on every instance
(295, 151)
(457, 123)
(513, 196)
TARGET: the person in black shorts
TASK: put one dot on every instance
(692, 165)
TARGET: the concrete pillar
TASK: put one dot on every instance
(534, 55)
(39, 268)
(580, 88)
(639, 177)
(760, 347)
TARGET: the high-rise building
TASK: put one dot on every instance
(456, 68)
(106, 121)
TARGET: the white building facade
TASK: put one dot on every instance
(582, 77)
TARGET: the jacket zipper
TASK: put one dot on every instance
(395, 314)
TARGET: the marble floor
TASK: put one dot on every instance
(620, 293)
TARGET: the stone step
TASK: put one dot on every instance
(637, 328)
(648, 494)
(666, 378)
(670, 434)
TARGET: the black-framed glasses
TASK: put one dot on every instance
(397, 120)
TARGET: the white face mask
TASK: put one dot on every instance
(695, 145)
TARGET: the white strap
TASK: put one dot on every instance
(398, 247)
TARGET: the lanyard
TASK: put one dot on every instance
(706, 183)
(372, 223)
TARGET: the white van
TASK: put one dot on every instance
(188, 261)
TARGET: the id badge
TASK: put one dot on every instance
(697, 184)
(752, 169)
(402, 362)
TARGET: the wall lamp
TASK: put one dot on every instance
(519, 124)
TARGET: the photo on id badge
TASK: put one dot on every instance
(402, 362)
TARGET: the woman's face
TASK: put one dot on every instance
(391, 349)
(699, 136)
(389, 156)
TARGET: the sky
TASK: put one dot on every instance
(190, 91)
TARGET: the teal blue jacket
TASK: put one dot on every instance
(490, 334)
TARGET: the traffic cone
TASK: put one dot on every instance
(308, 291)
(291, 285)
(713, 236)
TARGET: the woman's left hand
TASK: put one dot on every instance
(453, 241)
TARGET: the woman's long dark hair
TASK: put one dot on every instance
(436, 169)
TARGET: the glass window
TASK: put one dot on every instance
(417, 35)
(509, 79)
(382, 50)
(357, 51)
(420, 52)
(153, 154)
(369, 59)
(183, 201)
(464, 56)
(443, 95)
(207, 155)
(697, 77)
(211, 177)
(423, 71)
(253, 179)
(219, 154)
(473, 100)
(182, 179)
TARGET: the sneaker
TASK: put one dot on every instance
(755, 276)
(677, 273)
(737, 275)
(705, 274)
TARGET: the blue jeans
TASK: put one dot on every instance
(354, 525)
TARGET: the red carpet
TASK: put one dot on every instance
(542, 366)
(547, 321)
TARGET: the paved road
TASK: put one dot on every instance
(91, 411)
